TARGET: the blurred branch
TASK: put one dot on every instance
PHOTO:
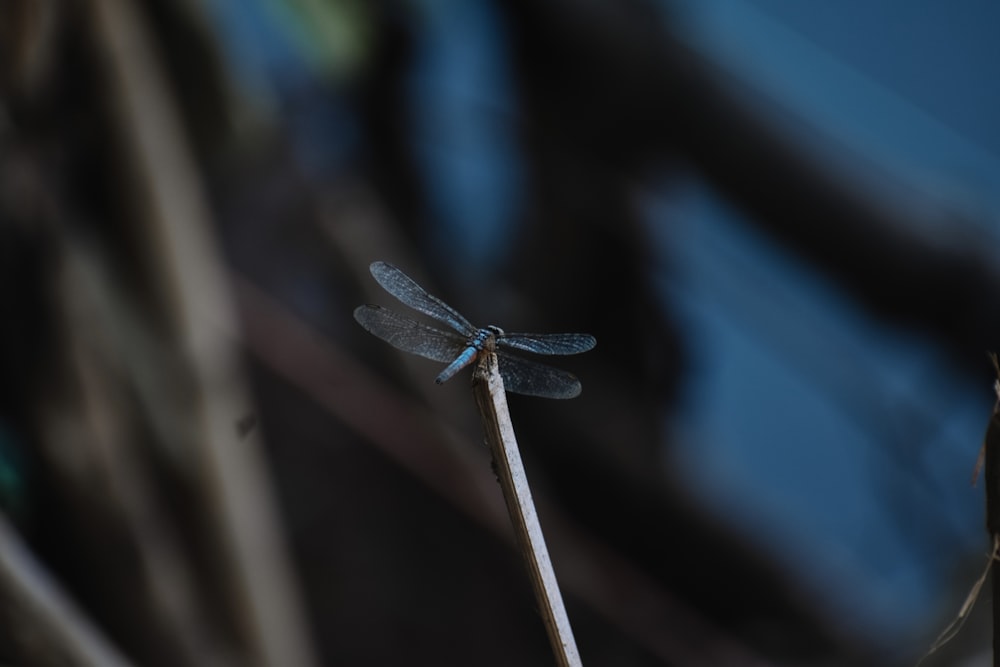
(650, 96)
(104, 353)
(991, 470)
(27, 33)
(39, 615)
(170, 206)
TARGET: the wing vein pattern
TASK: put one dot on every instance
(401, 286)
(409, 335)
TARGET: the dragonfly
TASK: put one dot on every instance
(462, 346)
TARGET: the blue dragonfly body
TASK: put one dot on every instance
(458, 350)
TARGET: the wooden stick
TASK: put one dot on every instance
(487, 385)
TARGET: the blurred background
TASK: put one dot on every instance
(779, 219)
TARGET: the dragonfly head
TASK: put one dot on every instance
(488, 337)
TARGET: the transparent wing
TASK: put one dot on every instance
(401, 286)
(409, 335)
(521, 376)
(548, 343)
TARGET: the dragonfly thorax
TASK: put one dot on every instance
(479, 339)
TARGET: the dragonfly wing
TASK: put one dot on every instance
(522, 376)
(409, 335)
(401, 286)
(571, 343)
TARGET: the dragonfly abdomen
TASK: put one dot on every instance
(477, 343)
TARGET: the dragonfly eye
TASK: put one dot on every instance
(495, 330)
